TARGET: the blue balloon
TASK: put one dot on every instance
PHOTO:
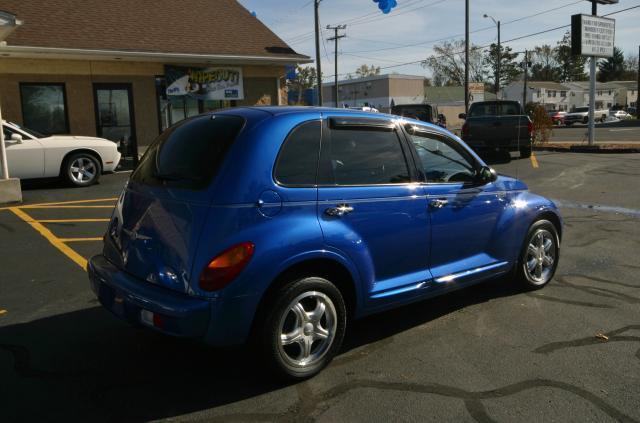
(386, 5)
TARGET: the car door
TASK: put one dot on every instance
(464, 213)
(25, 158)
(370, 207)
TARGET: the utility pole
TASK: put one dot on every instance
(335, 38)
(525, 66)
(592, 87)
(499, 61)
(318, 66)
(466, 57)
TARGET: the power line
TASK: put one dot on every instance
(507, 41)
(472, 32)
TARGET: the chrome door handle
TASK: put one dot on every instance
(339, 210)
(438, 203)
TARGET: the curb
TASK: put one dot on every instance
(590, 150)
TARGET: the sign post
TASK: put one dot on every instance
(593, 36)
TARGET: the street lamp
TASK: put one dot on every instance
(499, 54)
(9, 188)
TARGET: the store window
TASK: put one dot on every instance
(44, 107)
(173, 109)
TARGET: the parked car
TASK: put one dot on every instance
(364, 109)
(277, 226)
(621, 114)
(423, 112)
(78, 160)
(498, 126)
(581, 115)
(557, 117)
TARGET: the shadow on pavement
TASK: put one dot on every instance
(88, 365)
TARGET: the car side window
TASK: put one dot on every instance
(297, 162)
(441, 160)
(7, 133)
(362, 156)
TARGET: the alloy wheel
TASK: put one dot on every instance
(541, 257)
(83, 170)
(307, 329)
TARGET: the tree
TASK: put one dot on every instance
(545, 66)
(509, 68)
(305, 79)
(630, 68)
(570, 67)
(612, 69)
(447, 64)
(363, 71)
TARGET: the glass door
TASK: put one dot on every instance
(115, 119)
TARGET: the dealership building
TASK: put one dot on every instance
(126, 70)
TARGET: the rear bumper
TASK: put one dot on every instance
(126, 297)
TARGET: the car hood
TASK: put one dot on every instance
(508, 183)
(83, 140)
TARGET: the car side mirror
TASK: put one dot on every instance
(487, 174)
(462, 115)
(16, 138)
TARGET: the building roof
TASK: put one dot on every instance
(196, 27)
(437, 95)
(584, 85)
(374, 78)
(548, 85)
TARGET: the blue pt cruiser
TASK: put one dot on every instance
(278, 225)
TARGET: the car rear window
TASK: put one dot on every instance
(188, 154)
(494, 109)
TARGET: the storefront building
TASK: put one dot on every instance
(127, 70)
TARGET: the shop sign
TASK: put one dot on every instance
(213, 83)
(592, 35)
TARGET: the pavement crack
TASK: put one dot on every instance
(615, 335)
(313, 404)
(570, 302)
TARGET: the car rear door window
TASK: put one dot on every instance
(188, 154)
(442, 160)
(363, 156)
(297, 162)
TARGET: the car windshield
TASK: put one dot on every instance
(582, 109)
(31, 132)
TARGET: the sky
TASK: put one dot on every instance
(409, 32)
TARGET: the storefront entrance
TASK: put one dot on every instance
(115, 119)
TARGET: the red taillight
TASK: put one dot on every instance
(530, 127)
(226, 266)
(465, 129)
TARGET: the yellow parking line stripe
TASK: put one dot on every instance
(70, 220)
(66, 207)
(54, 240)
(534, 161)
(99, 238)
(3, 312)
(58, 203)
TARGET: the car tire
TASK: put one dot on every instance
(302, 328)
(81, 170)
(568, 123)
(525, 152)
(585, 120)
(539, 256)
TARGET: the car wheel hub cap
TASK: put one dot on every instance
(83, 170)
(307, 329)
(541, 257)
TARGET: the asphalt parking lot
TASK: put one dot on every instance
(570, 352)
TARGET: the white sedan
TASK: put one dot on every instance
(78, 160)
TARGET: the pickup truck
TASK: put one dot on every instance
(497, 126)
(581, 115)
